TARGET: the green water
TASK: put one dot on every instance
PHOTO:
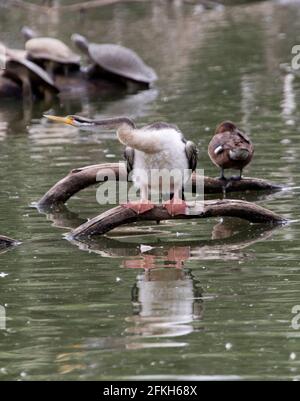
(197, 299)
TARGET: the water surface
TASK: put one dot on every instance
(185, 299)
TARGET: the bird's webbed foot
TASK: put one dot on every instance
(175, 207)
(140, 206)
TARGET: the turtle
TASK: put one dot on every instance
(8, 87)
(115, 62)
(50, 53)
(31, 77)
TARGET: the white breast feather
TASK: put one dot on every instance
(171, 156)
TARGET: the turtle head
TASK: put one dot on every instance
(28, 33)
(81, 42)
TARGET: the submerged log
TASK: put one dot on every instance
(5, 242)
(213, 208)
(84, 177)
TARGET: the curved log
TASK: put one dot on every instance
(5, 242)
(81, 178)
(77, 180)
(213, 208)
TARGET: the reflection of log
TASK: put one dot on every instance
(214, 208)
(237, 237)
(227, 249)
(5, 242)
(62, 217)
(81, 178)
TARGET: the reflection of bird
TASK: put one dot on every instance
(158, 147)
(230, 148)
(166, 302)
(175, 257)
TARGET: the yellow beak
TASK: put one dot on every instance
(65, 120)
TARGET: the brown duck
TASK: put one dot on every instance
(230, 148)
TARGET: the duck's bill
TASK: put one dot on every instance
(63, 120)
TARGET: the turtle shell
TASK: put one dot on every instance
(38, 74)
(121, 61)
(51, 49)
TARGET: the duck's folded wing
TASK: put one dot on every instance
(244, 137)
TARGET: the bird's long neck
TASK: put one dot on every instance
(129, 135)
(124, 126)
(115, 123)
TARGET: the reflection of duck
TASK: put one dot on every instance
(166, 302)
(229, 238)
(230, 148)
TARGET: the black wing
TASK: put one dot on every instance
(191, 154)
(129, 157)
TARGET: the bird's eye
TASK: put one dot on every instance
(82, 121)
